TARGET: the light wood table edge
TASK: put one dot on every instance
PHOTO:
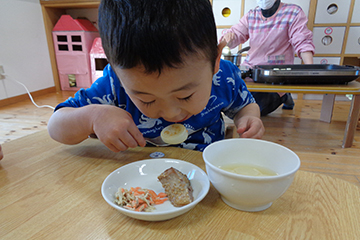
(329, 92)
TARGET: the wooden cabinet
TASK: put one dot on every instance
(332, 11)
(338, 19)
(52, 10)
(335, 24)
(227, 12)
(353, 41)
(328, 40)
(355, 15)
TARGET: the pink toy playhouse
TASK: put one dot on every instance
(98, 59)
(73, 39)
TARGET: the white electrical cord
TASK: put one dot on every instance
(31, 98)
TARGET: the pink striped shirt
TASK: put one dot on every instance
(273, 40)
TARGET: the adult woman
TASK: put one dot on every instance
(276, 32)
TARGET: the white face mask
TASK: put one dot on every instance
(265, 4)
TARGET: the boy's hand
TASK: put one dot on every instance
(116, 129)
(248, 122)
(250, 127)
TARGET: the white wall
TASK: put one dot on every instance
(23, 48)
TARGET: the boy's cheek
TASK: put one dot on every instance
(145, 110)
(199, 108)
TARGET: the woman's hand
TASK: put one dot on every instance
(228, 38)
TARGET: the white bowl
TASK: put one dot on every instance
(250, 193)
(144, 174)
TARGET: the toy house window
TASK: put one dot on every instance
(63, 47)
(72, 80)
(62, 38)
(76, 38)
(100, 63)
(77, 48)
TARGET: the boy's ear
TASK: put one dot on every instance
(221, 45)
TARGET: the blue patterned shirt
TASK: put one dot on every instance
(228, 95)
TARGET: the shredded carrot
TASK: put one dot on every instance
(139, 199)
(162, 195)
(160, 201)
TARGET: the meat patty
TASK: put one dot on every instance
(177, 187)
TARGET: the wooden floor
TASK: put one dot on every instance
(317, 143)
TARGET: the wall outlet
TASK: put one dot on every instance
(2, 72)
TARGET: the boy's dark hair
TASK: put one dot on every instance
(156, 33)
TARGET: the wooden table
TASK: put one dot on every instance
(52, 191)
(329, 92)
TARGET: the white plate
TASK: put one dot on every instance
(144, 174)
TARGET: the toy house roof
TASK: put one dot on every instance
(97, 46)
(67, 23)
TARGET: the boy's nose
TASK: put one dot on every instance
(171, 113)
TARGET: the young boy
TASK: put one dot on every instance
(164, 68)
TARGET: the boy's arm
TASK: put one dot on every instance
(71, 125)
(112, 125)
(248, 122)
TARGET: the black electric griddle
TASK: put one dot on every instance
(304, 74)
